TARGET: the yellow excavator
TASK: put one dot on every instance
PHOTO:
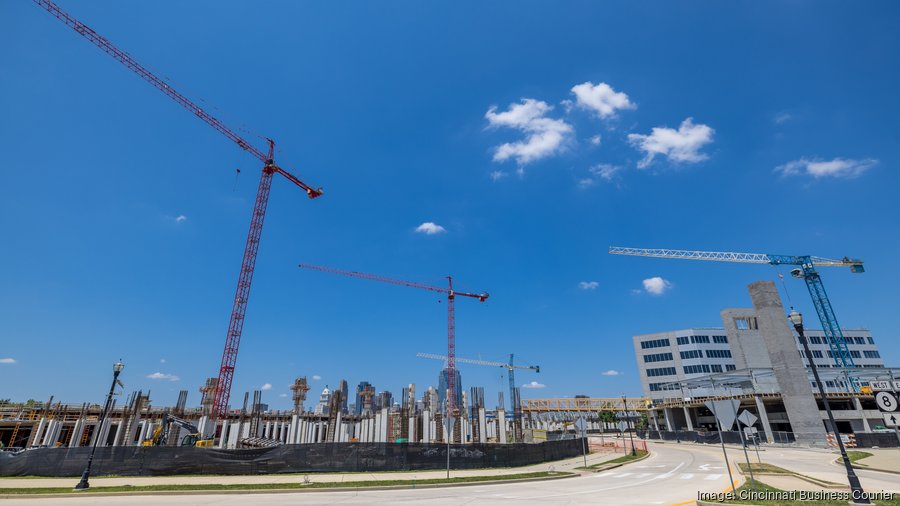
(161, 433)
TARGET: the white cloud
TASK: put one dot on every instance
(498, 175)
(588, 285)
(601, 99)
(839, 167)
(595, 140)
(266, 386)
(783, 117)
(162, 361)
(611, 372)
(180, 218)
(316, 377)
(7, 360)
(546, 136)
(656, 285)
(163, 376)
(605, 171)
(682, 145)
(430, 228)
(534, 384)
(282, 395)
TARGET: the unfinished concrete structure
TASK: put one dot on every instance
(756, 358)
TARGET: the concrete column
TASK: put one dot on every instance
(862, 414)
(764, 418)
(426, 426)
(790, 372)
(37, 433)
(102, 432)
(652, 416)
(669, 418)
(482, 427)
(77, 431)
(49, 438)
(687, 417)
(501, 426)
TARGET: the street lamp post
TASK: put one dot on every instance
(83, 484)
(628, 421)
(855, 486)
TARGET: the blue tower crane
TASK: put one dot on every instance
(806, 271)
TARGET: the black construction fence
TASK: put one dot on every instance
(301, 458)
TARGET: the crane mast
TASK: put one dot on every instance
(451, 314)
(806, 271)
(248, 264)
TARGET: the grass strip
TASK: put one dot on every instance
(279, 486)
(855, 455)
(764, 469)
(628, 457)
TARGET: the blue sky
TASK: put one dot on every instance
(534, 134)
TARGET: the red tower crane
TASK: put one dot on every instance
(242, 295)
(451, 316)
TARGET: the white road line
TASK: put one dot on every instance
(625, 474)
(686, 476)
(644, 475)
(614, 487)
(712, 477)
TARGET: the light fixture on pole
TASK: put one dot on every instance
(117, 369)
(856, 489)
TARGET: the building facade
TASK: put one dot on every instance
(756, 358)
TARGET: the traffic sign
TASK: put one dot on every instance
(886, 401)
(881, 385)
(580, 424)
(623, 426)
(725, 411)
(747, 418)
(891, 419)
(896, 385)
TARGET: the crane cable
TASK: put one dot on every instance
(783, 284)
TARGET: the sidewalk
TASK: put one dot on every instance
(559, 465)
(882, 459)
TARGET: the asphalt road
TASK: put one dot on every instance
(673, 474)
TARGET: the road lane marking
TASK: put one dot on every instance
(686, 476)
(711, 477)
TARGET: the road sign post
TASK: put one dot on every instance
(729, 414)
(582, 426)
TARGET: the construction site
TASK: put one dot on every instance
(213, 430)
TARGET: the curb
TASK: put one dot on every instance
(89, 493)
(838, 462)
(618, 464)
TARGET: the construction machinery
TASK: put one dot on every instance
(451, 319)
(161, 433)
(806, 271)
(269, 169)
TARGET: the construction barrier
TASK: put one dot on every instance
(303, 458)
(849, 440)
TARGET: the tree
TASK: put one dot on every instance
(607, 417)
